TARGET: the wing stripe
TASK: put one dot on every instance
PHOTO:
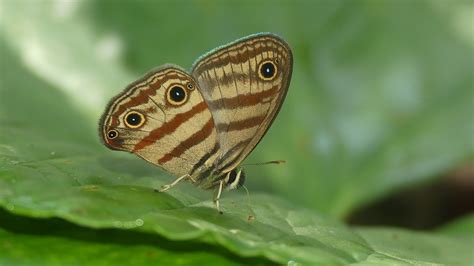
(236, 91)
(205, 158)
(232, 152)
(170, 126)
(243, 105)
(241, 124)
(216, 58)
(190, 142)
(245, 99)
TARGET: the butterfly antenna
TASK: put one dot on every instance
(252, 214)
(269, 162)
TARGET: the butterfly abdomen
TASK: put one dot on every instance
(210, 179)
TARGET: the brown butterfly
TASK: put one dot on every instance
(201, 126)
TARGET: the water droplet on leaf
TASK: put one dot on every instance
(139, 222)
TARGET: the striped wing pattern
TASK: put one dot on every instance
(222, 110)
(243, 104)
(173, 137)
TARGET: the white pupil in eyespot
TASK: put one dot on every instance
(133, 119)
(268, 70)
(177, 94)
(112, 134)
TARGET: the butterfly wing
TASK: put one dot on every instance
(162, 118)
(244, 84)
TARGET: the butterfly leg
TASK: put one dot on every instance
(218, 196)
(176, 181)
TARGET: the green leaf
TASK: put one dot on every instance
(53, 166)
(463, 227)
(49, 169)
(57, 75)
(26, 241)
(397, 246)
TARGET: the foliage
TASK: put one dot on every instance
(375, 104)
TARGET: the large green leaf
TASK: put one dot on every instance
(26, 241)
(463, 227)
(53, 166)
(396, 246)
(50, 169)
(381, 95)
(381, 120)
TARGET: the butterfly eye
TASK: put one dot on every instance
(134, 119)
(177, 95)
(112, 134)
(267, 70)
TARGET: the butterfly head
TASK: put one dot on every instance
(235, 178)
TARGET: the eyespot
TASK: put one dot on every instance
(190, 86)
(134, 119)
(267, 70)
(112, 134)
(177, 95)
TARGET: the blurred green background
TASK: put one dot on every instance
(381, 96)
(381, 99)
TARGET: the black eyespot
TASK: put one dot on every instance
(177, 95)
(112, 134)
(190, 86)
(134, 119)
(267, 70)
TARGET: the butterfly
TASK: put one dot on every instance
(200, 125)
